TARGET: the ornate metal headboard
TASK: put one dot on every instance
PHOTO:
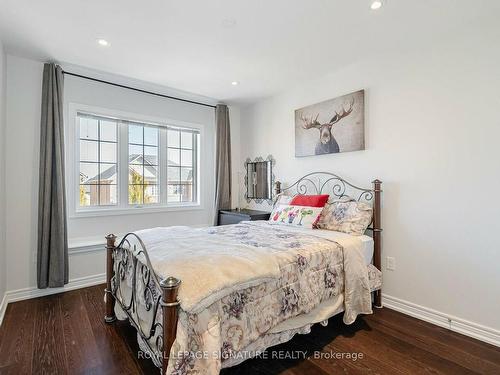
(327, 183)
(336, 186)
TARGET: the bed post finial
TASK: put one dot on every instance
(277, 187)
(377, 231)
(110, 316)
(169, 304)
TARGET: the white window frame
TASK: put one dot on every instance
(123, 207)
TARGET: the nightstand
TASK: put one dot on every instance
(235, 216)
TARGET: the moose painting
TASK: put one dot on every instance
(333, 126)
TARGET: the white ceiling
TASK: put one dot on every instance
(193, 45)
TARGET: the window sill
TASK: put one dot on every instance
(134, 210)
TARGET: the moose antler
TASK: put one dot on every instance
(339, 116)
(309, 122)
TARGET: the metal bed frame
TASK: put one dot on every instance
(131, 256)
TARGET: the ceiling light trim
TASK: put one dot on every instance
(376, 4)
(102, 42)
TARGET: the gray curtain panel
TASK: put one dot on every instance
(223, 161)
(52, 257)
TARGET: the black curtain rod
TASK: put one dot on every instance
(136, 89)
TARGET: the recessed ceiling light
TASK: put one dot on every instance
(235, 83)
(376, 4)
(103, 42)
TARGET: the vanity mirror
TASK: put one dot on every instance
(259, 179)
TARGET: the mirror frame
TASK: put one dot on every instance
(273, 179)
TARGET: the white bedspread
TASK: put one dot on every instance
(208, 267)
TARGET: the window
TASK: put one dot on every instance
(143, 164)
(98, 161)
(181, 170)
(130, 164)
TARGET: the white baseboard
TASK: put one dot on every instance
(34, 292)
(3, 307)
(465, 327)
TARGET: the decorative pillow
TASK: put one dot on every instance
(346, 215)
(299, 216)
(310, 200)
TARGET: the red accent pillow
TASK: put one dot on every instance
(310, 200)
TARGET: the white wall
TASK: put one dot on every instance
(24, 90)
(2, 176)
(24, 80)
(432, 131)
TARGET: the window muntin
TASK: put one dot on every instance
(128, 164)
(98, 162)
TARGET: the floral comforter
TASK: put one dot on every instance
(222, 320)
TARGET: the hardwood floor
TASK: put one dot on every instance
(66, 334)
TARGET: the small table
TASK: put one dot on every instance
(234, 216)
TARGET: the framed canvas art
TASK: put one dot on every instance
(333, 126)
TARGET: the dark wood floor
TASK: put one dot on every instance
(65, 334)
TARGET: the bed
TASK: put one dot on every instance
(208, 298)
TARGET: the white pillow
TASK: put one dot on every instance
(299, 216)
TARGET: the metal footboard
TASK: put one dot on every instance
(150, 303)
